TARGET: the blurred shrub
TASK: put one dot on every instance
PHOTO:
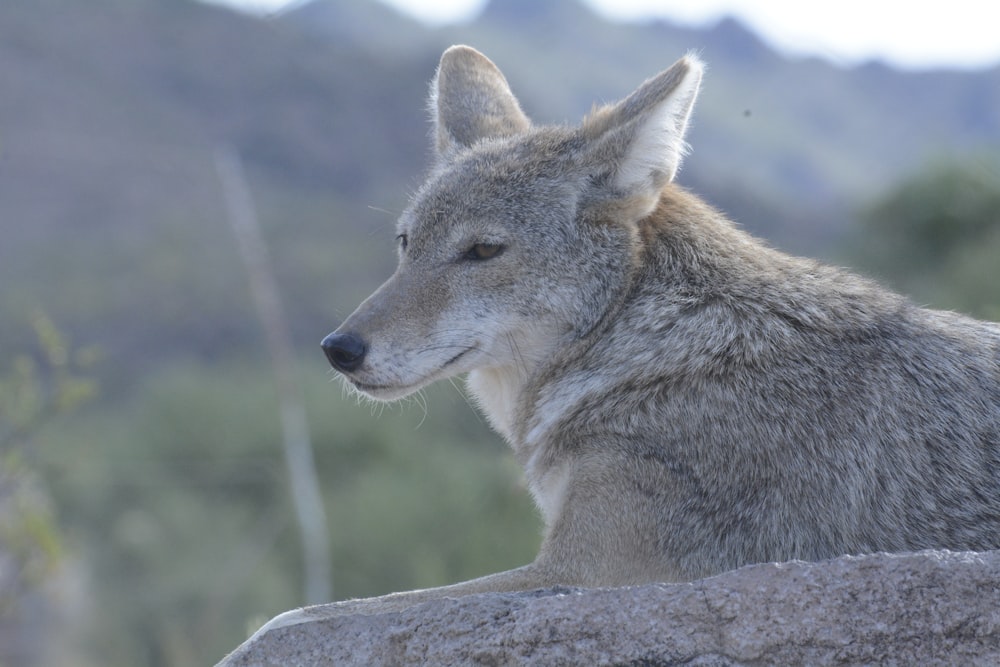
(179, 498)
(936, 236)
(35, 389)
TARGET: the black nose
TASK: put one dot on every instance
(345, 351)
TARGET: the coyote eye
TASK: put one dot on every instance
(403, 241)
(483, 251)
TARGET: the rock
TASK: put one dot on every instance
(927, 608)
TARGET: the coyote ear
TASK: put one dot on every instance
(470, 100)
(641, 138)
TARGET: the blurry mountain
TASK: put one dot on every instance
(111, 217)
(786, 146)
(110, 213)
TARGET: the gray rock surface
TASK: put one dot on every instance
(927, 608)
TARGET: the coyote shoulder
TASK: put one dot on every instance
(683, 399)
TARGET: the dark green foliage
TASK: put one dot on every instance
(936, 236)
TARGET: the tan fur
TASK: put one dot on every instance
(684, 400)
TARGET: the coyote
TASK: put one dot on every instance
(683, 399)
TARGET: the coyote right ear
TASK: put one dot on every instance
(640, 140)
(470, 100)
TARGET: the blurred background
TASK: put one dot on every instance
(148, 437)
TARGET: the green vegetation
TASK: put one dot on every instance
(176, 499)
(936, 236)
(36, 390)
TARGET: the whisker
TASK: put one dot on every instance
(468, 401)
(420, 400)
(384, 210)
(515, 352)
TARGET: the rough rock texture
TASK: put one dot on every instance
(928, 608)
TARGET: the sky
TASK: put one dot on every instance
(910, 34)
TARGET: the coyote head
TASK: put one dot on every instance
(522, 238)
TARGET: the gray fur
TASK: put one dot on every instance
(684, 399)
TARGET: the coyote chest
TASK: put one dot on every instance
(498, 393)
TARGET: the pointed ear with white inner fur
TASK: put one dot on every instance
(639, 142)
(471, 100)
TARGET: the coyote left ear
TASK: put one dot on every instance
(470, 100)
(641, 138)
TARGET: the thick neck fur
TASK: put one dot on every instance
(689, 258)
(699, 256)
(498, 389)
(680, 248)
